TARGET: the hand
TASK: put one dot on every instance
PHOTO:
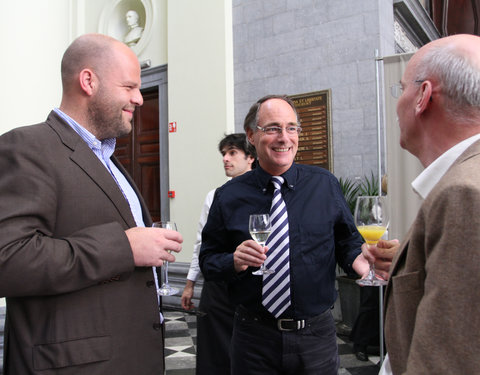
(187, 296)
(381, 255)
(151, 246)
(249, 254)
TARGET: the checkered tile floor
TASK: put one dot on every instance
(181, 340)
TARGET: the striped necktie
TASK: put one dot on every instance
(276, 286)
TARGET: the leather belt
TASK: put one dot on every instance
(283, 324)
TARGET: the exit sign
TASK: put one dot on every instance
(172, 127)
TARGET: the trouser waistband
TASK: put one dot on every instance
(282, 324)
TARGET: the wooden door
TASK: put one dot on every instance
(139, 151)
(456, 16)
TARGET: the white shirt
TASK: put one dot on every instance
(427, 180)
(424, 184)
(194, 270)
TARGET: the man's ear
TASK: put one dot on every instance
(424, 97)
(88, 81)
(250, 136)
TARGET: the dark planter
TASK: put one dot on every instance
(349, 294)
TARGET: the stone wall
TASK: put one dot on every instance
(300, 46)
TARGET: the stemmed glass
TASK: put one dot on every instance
(260, 228)
(166, 289)
(371, 219)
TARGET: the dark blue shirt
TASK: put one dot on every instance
(321, 230)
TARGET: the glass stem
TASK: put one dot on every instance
(262, 267)
(165, 273)
(371, 273)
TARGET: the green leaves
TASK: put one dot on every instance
(352, 189)
(369, 186)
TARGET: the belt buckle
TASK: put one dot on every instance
(280, 326)
(298, 325)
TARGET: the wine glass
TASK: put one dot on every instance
(260, 228)
(166, 289)
(371, 219)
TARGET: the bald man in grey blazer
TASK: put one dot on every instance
(75, 259)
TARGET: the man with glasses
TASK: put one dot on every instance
(294, 331)
(431, 322)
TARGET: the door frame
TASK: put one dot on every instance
(157, 77)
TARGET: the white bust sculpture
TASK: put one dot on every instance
(135, 30)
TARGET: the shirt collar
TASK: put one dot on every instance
(264, 178)
(427, 180)
(107, 146)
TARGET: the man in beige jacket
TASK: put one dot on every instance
(431, 303)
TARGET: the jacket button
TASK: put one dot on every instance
(150, 283)
(157, 326)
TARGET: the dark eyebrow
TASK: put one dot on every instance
(277, 124)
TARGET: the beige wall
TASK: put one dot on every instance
(31, 52)
(200, 94)
(402, 167)
(193, 37)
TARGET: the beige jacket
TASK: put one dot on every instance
(432, 302)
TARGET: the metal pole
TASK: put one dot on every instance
(380, 298)
(379, 155)
(379, 123)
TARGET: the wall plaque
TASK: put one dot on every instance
(315, 140)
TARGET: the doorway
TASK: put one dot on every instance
(144, 152)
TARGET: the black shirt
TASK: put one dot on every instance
(321, 230)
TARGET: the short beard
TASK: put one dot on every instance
(105, 122)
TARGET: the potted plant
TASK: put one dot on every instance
(348, 289)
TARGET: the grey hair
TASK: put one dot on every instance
(251, 120)
(459, 76)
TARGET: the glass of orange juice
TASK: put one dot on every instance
(371, 219)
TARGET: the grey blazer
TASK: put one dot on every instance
(432, 302)
(76, 304)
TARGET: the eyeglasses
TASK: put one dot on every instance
(271, 130)
(396, 89)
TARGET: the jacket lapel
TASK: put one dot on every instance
(84, 157)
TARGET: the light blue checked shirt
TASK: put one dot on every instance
(104, 150)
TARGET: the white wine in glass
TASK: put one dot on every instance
(165, 289)
(260, 228)
(371, 219)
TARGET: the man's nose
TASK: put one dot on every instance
(137, 98)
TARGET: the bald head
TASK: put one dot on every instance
(101, 80)
(440, 103)
(89, 51)
(453, 63)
